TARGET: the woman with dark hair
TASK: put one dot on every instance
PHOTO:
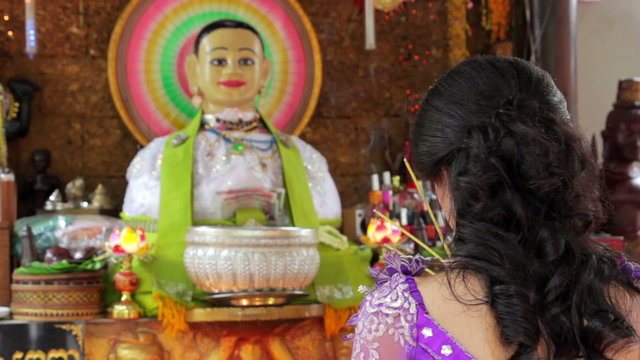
(519, 188)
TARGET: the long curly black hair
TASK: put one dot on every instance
(525, 191)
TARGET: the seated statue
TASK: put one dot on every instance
(233, 150)
(228, 166)
(37, 188)
(621, 167)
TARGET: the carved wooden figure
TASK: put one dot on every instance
(37, 188)
(621, 166)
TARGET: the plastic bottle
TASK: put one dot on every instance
(387, 191)
(375, 195)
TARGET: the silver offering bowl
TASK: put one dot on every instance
(244, 262)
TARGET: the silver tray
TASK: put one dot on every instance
(258, 298)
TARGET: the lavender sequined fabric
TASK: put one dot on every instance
(394, 309)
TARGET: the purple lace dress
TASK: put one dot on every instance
(393, 322)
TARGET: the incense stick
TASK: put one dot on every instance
(410, 235)
(429, 210)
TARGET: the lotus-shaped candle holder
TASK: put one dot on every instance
(123, 245)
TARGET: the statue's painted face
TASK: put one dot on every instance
(231, 68)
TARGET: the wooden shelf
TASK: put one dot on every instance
(257, 313)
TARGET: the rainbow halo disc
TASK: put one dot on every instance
(152, 39)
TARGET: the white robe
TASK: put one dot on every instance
(216, 168)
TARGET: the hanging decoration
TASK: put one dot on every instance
(499, 10)
(458, 31)
(79, 26)
(387, 5)
(30, 28)
(413, 102)
(5, 26)
(369, 26)
(495, 18)
(486, 16)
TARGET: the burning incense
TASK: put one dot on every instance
(410, 235)
(429, 210)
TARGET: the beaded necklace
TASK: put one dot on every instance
(240, 143)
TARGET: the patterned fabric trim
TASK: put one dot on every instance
(631, 269)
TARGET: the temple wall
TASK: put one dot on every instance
(363, 92)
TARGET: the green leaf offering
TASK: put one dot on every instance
(61, 267)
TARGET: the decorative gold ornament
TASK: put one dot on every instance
(75, 190)
(101, 198)
(8, 110)
(126, 282)
(500, 10)
(249, 313)
(57, 297)
(13, 111)
(76, 330)
(138, 344)
(125, 309)
(458, 31)
(387, 5)
(123, 245)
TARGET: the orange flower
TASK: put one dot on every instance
(382, 232)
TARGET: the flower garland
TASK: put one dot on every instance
(458, 31)
(387, 5)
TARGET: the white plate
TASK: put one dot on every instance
(4, 312)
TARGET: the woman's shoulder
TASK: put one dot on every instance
(398, 275)
(457, 302)
(390, 307)
(394, 293)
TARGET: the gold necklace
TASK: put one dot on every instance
(240, 125)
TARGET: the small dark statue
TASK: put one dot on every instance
(621, 166)
(37, 188)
